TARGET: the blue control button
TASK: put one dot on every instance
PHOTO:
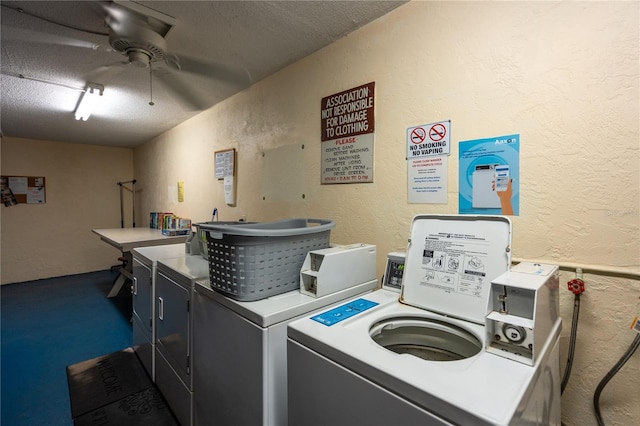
(343, 312)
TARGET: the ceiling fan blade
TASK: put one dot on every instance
(189, 97)
(22, 34)
(105, 74)
(238, 77)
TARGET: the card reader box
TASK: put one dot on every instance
(524, 312)
(329, 270)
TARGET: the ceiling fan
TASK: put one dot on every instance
(138, 33)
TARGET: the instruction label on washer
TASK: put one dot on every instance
(455, 263)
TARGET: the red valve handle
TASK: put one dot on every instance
(576, 286)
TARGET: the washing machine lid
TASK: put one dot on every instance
(451, 261)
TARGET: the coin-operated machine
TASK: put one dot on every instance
(524, 312)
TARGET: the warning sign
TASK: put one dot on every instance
(437, 132)
(418, 135)
(348, 113)
(348, 160)
(429, 140)
(348, 126)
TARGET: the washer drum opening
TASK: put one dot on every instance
(431, 340)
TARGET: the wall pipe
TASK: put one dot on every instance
(595, 269)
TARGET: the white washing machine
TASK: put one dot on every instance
(240, 355)
(420, 357)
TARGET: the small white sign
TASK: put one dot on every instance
(427, 180)
(348, 160)
(429, 140)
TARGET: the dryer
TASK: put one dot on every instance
(143, 293)
(240, 347)
(175, 283)
(420, 356)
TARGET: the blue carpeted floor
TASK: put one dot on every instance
(48, 325)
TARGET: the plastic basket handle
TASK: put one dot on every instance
(272, 229)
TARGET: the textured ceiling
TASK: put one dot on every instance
(52, 49)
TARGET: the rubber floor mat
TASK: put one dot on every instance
(101, 381)
(140, 409)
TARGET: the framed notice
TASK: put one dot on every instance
(225, 163)
(23, 189)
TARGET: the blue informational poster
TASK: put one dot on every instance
(489, 176)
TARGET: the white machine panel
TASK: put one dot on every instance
(524, 312)
(451, 260)
(393, 271)
(329, 270)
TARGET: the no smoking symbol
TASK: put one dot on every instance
(437, 132)
(417, 135)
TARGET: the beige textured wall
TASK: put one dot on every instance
(55, 238)
(562, 75)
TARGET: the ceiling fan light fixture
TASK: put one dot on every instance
(89, 100)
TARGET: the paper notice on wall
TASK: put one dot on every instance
(35, 195)
(427, 180)
(348, 160)
(489, 176)
(23, 189)
(229, 190)
(19, 185)
(172, 194)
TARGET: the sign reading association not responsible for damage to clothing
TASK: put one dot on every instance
(348, 113)
(429, 140)
(347, 136)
